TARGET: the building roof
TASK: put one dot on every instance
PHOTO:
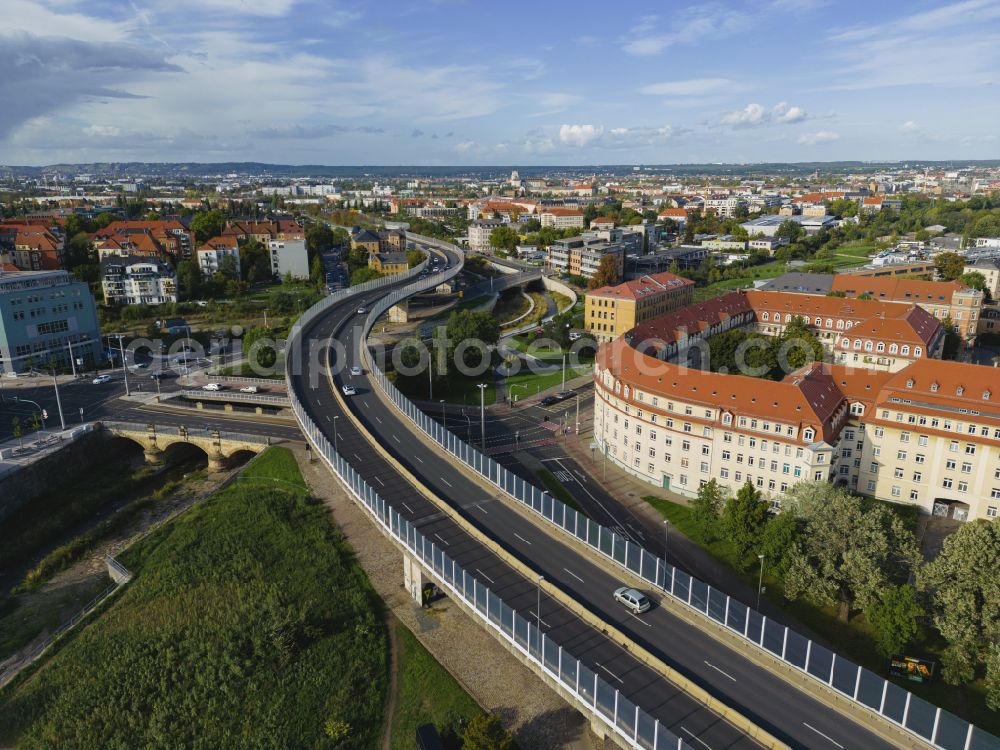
(899, 289)
(643, 286)
(391, 257)
(554, 211)
(956, 389)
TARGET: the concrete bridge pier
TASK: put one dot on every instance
(153, 456)
(217, 462)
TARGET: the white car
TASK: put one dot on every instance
(633, 599)
(361, 311)
(212, 387)
(101, 379)
(249, 389)
(349, 390)
(355, 370)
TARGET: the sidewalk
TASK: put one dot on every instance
(17, 453)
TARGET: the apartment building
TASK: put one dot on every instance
(928, 435)
(32, 246)
(725, 206)
(389, 263)
(990, 269)
(612, 310)
(581, 256)
(137, 280)
(561, 218)
(46, 316)
(159, 237)
(211, 254)
(384, 241)
(289, 257)
(479, 234)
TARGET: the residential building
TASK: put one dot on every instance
(210, 255)
(612, 310)
(582, 255)
(768, 225)
(561, 218)
(602, 222)
(479, 234)
(685, 256)
(677, 215)
(137, 280)
(46, 316)
(927, 435)
(389, 263)
(32, 246)
(725, 206)
(383, 241)
(154, 238)
(990, 269)
(289, 257)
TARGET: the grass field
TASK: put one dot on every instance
(248, 624)
(425, 693)
(548, 479)
(542, 381)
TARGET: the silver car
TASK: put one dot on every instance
(633, 599)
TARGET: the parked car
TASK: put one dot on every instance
(212, 387)
(101, 379)
(249, 389)
(349, 390)
(356, 370)
(634, 599)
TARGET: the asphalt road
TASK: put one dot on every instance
(766, 699)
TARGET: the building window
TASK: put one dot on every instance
(963, 486)
(947, 483)
(914, 495)
(991, 511)
(917, 476)
(871, 485)
(895, 490)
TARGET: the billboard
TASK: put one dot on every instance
(912, 668)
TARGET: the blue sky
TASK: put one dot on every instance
(448, 82)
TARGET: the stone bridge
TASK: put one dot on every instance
(218, 446)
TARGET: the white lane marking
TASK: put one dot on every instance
(446, 482)
(379, 480)
(485, 576)
(407, 507)
(365, 403)
(601, 666)
(537, 619)
(636, 617)
(419, 459)
(328, 418)
(357, 456)
(696, 739)
(377, 419)
(522, 538)
(826, 737)
(396, 439)
(444, 541)
(479, 506)
(573, 574)
(712, 666)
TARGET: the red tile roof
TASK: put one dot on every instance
(643, 286)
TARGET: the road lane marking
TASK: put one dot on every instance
(396, 439)
(696, 739)
(522, 538)
(444, 541)
(379, 480)
(357, 456)
(707, 664)
(446, 482)
(825, 737)
(377, 419)
(478, 506)
(328, 418)
(485, 576)
(407, 507)
(419, 459)
(574, 575)
(601, 666)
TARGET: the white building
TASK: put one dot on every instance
(137, 280)
(479, 234)
(289, 257)
(210, 257)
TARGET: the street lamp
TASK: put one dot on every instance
(760, 580)
(482, 413)
(444, 416)
(335, 434)
(121, 348)
(538, 615)
(41, 412)
(666, 537)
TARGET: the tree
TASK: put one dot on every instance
(705, 510)
(414, 258)
(257, 348)
(361, 275)
(950, 265)
(743, 519)
(849, 550)
(466, 325)
(255, 262)
(319, 239)
(188, 278)
(607, 272)
(789, 230)
(207, 225)
(504, 238)
(486, 732)
(228, 267)
(894, 619)
(965, 603)
(316, 272)
(798, 345)
(777, 539)
(975, 279)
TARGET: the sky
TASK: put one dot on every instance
(446, 82)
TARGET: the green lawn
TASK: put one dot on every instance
(459, 390)
(425, 693)
(248, 624)
(853, 639)
(542, 381)
(555, 488)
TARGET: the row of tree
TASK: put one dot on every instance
(739, 351)
(832, 548)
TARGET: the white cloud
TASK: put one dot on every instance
(755, 115)
(579, 135)
(104, 131)
(690, 87)
(909, 127)
(710, 20)
(820, 136)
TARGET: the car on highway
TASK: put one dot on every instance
(361, 311)
(355, 370)
(349, 390)
(101, 379)
(212, 387)
(634, 599)
(249, 389)
(159, 375)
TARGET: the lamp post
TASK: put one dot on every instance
(538, 615)
(666, 538)
(41, 412)
(335, 435)
(121, 348)
(444, 416)
(760, 580)
(55, 384)
(482, 413)
(564, 373)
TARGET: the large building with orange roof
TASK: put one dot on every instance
(612, 310)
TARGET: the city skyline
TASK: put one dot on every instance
(449, 83)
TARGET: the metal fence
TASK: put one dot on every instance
(253, 398)
(587, 688)
(181, 431)
(926, 721)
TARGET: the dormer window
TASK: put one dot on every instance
(808, 434)
(986, 395)
(909, 383)
(960, 390)
(905, 350)
(934, 387)
(764, 316)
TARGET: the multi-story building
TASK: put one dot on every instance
(612, 310)
(768, 225)
(479, 234)
(160, 237)
(289, 257)
(990, 269)
(32, 246)
(561, 218)
(46, 316)
(725, 206)
(389, 263)
(210, 255)
(928, 435)
(582, 256)
(137, 280)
